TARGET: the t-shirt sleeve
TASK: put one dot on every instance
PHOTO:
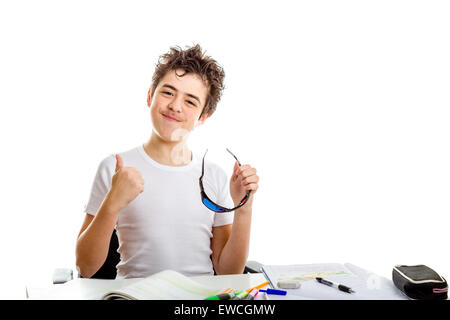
(101, 185)
(224, 197)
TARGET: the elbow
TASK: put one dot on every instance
(233, 270)
(86, 266)
(233, 267)
(85, 270)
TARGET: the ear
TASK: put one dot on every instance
(149, 97)
(202, 119)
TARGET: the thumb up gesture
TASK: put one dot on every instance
(127, 184)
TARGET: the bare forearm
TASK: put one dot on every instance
(93, 244)
(234, 254)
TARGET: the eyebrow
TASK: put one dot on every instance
(175, 89)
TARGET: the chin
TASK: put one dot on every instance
(176, 135)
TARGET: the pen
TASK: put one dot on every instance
(240, 295)
(259, 286)
(336, 285)
(262, 296)
(251, 295)
(273, 291)
(267, 278)
(222, 296)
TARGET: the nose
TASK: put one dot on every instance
(176, 104)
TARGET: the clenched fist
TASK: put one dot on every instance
(127, 184)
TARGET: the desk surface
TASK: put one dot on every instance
(367, 286)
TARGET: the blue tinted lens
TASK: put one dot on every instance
(212, 206)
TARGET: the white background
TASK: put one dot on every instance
(342, 106)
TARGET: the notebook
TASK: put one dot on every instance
(367, 285)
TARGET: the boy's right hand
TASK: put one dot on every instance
(127, 184)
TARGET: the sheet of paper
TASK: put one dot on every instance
(365, 284)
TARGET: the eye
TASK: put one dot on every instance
(191, 102)
(167, 93)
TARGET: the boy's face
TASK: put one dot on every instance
(176, 105)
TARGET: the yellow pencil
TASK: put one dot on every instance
(259, 286)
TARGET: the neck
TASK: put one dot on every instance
(173, 153)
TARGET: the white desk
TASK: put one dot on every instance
(368, 286)
(93, 289)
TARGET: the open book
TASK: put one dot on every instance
(164, 285)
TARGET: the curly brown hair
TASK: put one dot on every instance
(193, 60)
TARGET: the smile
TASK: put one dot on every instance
(170, 119)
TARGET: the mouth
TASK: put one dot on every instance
(170, 118)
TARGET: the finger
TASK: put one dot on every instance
(119, 162)
(240, 169)
(235, 170)
(250, 179)
(248, 172)
(252, 187)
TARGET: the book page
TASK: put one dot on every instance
(165, 285)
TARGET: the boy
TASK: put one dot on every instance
(151, 194)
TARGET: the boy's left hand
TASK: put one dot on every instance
(244, 178)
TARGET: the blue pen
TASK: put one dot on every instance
(267, 278)
(273, 291)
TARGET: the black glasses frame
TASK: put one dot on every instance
(208, 202)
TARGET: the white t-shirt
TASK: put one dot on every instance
(167, 226)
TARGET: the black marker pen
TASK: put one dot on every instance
(336, 285)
